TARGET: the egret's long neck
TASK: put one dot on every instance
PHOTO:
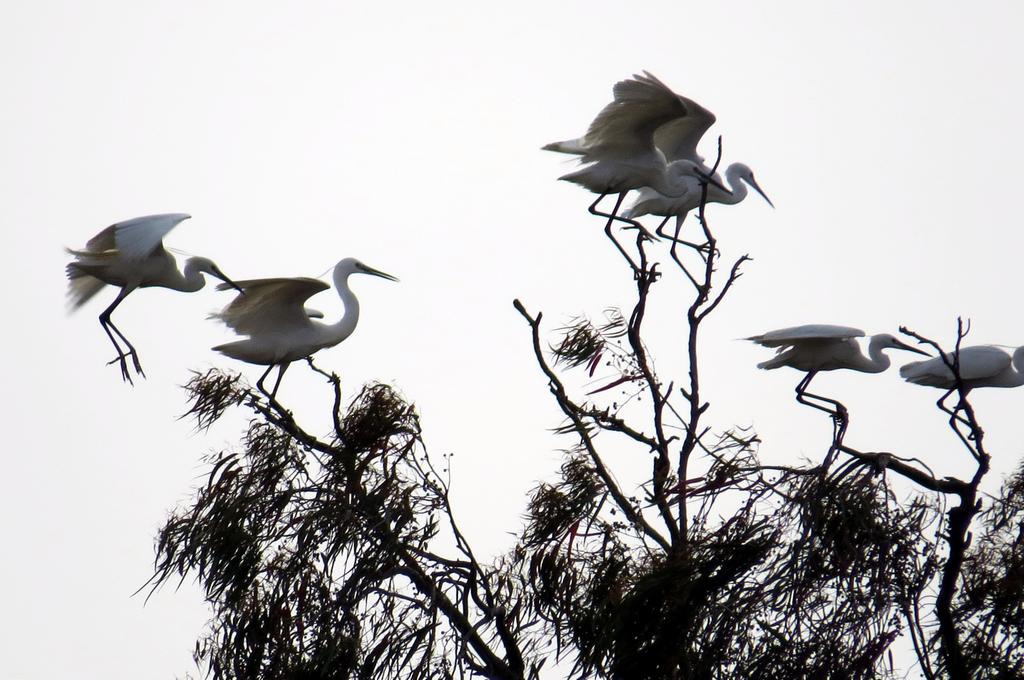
(736, 185)
(1018, 365)
(189, 282)
(878, 360)
(343, 327)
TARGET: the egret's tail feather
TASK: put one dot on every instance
(909, 370)
(573, 146)
(81, 286)
(231, 348)
(586, 178)
(918, 370)
(637, 210)
(777, 361)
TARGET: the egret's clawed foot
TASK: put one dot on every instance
(652, 274)
(125, 373)
(702, 248)
(122, 361)
(645, 234)
(137, 363)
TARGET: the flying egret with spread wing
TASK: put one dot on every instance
(821, 347)
(131, 255)
(618, 149)
(272, 313)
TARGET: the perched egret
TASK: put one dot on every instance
(131, 255)
(678, 141)
(618, 149)
(821, 347)
(978, 366)
(653, 202)
(281, 330)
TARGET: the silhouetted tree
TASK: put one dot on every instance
(341, 556)
(318, 555)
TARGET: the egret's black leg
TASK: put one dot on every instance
(660, 231)
(804, 397)
(131, 351)
(259, 383)
(109, 326)
(954, 414)
(840, 416)
(699, 247)
(592, 209)
(633, 224)
(837, 407)
(608, 227)
(277, 383)
(661, 226)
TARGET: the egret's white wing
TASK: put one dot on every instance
(101, 242)
(930, 373)
(678, 138)
(137, 238)
(269, 305)
(814, 354)
(976, 363)
(982, 361)
(626, 126)
(795, 334)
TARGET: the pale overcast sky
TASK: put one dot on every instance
(408, 135)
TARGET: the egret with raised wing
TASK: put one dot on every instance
(272, 313)
(677, 142)
(821, 347)
(618, 149)
(131, 255)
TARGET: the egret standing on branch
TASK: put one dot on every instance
(272, 313)
(678, 141)
(978, 366)
(652, 202)
(618, 148)
(820, 347)
(131, 255)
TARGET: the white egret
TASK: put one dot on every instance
(978, 366)
(652, 202)
(131, 255)
(619, 152)
(272, 313)
(821, 347)
(678, 142)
